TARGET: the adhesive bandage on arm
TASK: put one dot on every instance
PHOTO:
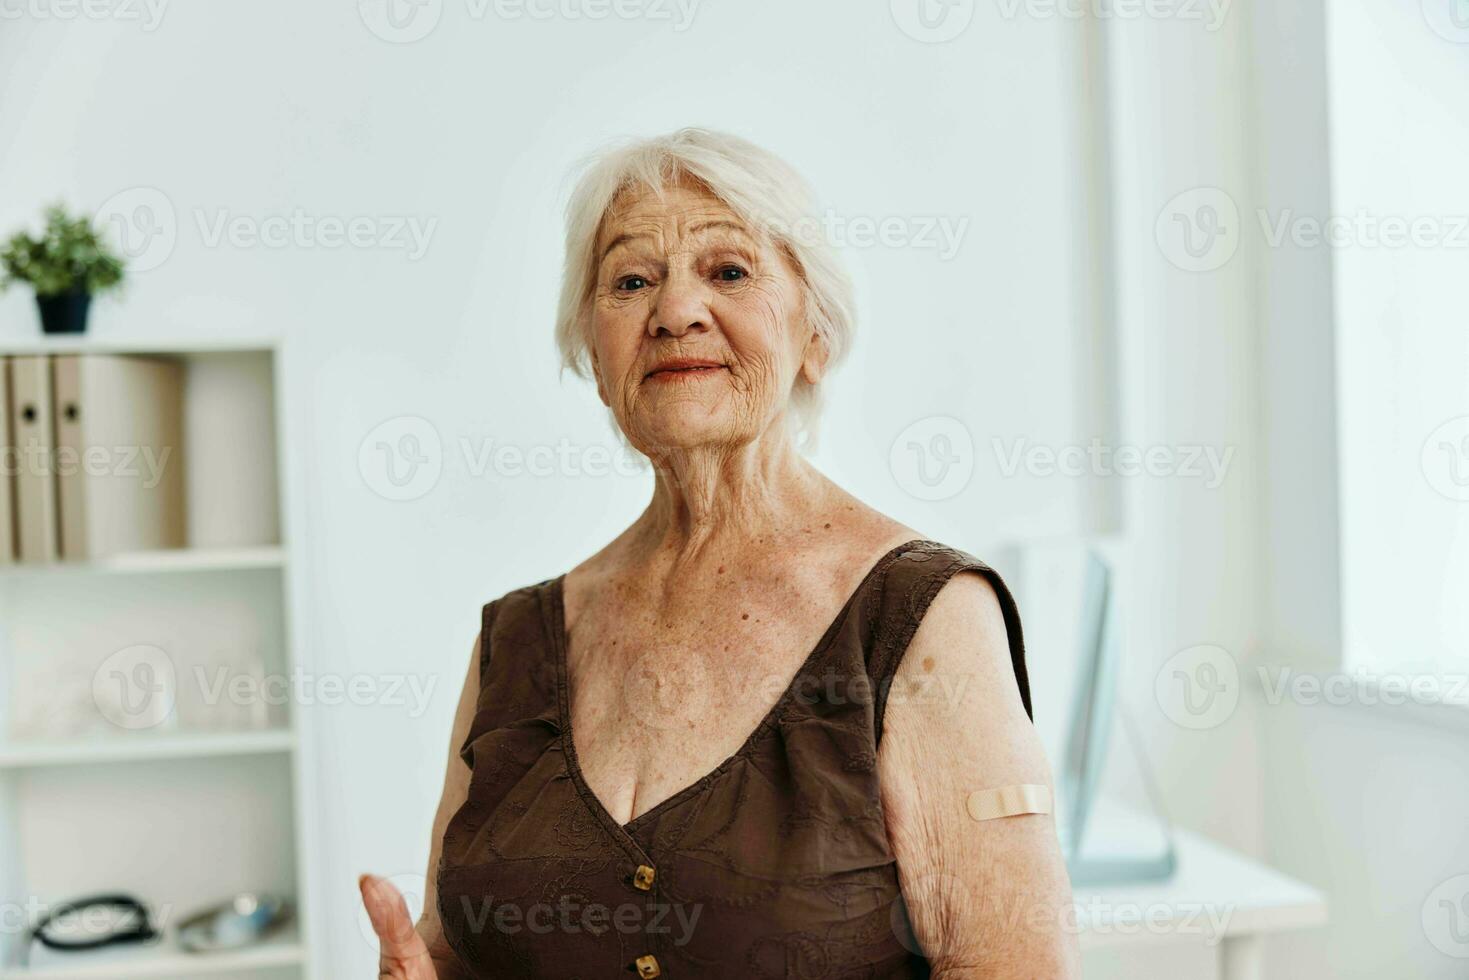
(1008, 801)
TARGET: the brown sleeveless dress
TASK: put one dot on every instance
(775, 864)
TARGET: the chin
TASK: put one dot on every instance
(685, 430)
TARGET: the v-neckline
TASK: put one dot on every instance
(555, 616)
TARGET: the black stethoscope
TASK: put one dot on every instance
(242, 920)
(132, 924)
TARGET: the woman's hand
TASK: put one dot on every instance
(422, 952)
(405, 955)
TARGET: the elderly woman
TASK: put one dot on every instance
(760, 732)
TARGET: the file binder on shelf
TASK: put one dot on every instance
(8, 467)
(35, 481)
(119, 436)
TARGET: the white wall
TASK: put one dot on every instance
(1188, 339)
(1366, 802)
(251, 112)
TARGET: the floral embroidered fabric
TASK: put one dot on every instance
(775, 864)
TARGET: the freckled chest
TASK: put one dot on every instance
(664, 692)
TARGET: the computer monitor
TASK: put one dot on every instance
(1099, 664)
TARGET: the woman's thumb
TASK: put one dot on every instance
(388, 912)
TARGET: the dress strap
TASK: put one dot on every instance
(908, 586)
(517, 672)
(514, 620)
(486, 623)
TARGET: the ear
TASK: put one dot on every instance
(814, 358)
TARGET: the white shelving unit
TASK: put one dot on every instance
(141, 748)
(212, 801)
(277, 952)
(171, 560)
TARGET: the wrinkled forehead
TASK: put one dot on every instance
(677, 212)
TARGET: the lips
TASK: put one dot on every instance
(684, 367)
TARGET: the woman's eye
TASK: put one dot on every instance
(630, 283)
(730, 273)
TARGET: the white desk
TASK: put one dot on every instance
(1216, 897)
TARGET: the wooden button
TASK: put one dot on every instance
(647, 966)
(643, 879)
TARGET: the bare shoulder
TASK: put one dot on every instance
(956, 683)
(963, 628)
(595, 575)
(854, 535)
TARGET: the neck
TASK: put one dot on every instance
(719, 499)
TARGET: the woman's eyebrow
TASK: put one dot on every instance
(626, 237)
(720, 223)
(622, 239)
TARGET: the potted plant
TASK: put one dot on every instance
(67, 266)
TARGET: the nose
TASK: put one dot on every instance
(683, 305)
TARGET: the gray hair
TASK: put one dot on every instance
(759, 187)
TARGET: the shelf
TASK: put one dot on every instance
(144, 747)
(154, 562)
(169, 345)
(147, 963)
(96, 805)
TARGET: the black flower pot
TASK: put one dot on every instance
(64, 312)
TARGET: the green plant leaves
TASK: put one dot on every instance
(69, 256)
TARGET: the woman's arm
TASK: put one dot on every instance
(456, 790)
(986, 899)
(422, 952)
